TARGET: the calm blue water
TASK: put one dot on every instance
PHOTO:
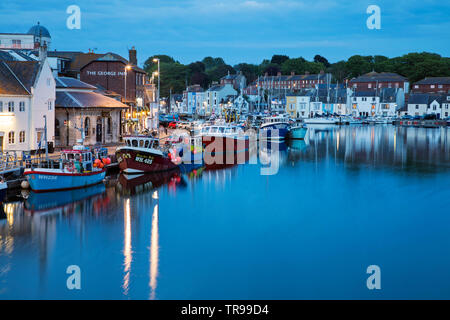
(342, 200)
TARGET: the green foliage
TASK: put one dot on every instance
(414, 66)
(278, 59)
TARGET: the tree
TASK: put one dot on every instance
(320, 59)
(151, 66)
(250, 71)
(272, 69)
(211, 62)
(219, 71)
(278, 59)
(357, 65)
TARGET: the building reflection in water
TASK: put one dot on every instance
(154, 247)
(127, 253)
(396, 147)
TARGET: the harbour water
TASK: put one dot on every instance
(342, 200)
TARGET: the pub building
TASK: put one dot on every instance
(115, 77)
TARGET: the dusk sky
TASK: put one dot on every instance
(237, 30)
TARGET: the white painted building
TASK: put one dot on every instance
(420, 104)
(216, 95)
(27, 101)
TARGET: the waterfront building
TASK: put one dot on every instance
(290, 82)
(82, 110)
(374, 80)
(27, 104)
(193, 98)
(241, 104)
(216, 95)
(298, 104)
(238, 81)
(112, 73)
(37, 35)
(384, 102)
(432, 85)
(420, 104)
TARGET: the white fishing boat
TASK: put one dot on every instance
(321, 120)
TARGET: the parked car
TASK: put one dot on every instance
(172, 125)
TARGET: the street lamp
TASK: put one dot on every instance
(159, 77)
(127, 67)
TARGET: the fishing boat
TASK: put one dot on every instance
(77, 169)
(221, 144)
(297, 132)
(275, 128)
(143, 153)
(321, 120)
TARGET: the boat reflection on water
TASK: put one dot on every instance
(131, 184)
(272, 154)
(60, 201)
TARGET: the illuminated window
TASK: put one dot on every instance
(22, 136)
(11, 137)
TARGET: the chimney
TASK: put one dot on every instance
(266, 74)
(292, 73)
(307, 73)
(278, 73)
(132, 56)
(42, 52)
(322, 72)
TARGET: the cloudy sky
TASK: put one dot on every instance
(237, 30)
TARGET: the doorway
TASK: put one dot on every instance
(99, 130)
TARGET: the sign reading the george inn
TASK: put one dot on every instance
(106, 73)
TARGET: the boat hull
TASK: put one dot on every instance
(298, 133)
(44, 181)
(275, 131)
(219, 150)
(140, 161)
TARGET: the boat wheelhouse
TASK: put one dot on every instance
(275, 127)
(143, 153)
(222, 140)
(77, 169)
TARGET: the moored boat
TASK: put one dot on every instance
(321, 120)
(143, 153)
(274, 128)
(297, 132)
(76, 170)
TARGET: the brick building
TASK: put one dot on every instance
(432, 85)
(374, 80)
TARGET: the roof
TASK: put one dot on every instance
(382, 77)
(66, 82)
(17, 77)
(425, 98)
(86, 100)
(371, 93)
(39, 31)
(434, 80)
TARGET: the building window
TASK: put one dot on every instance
(432, 86)
(22, 136)
(87, 123)
(1, 106)
(11, 106)
(417, 106)
(49, 104)
(21, 106)
(416, 86)
(11, 137)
